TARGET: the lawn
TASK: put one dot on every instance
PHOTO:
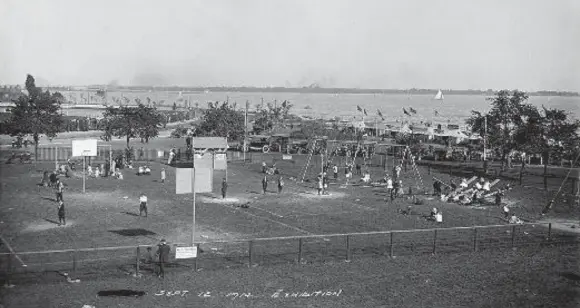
(523, 277)
(107, 215)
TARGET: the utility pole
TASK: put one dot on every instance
(193, 191)
(485, 145)
(245, 129)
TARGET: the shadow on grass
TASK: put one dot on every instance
(49, 199)
(52, 221)
(133, 232)
(570, 276)
(129, 213)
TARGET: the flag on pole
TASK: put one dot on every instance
(359, 108)
(365, 111)
(406, 112)
(380, 114)
(412, 110)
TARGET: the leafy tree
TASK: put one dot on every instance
(271, 116)
(509, 112)
(221, 120)
(551, 134)
(35, 113)
(131, 122)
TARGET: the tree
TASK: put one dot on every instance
(35, 113)
(551, 134)
(221, 120)
(271, 116)
(131, 122)
(509, 112)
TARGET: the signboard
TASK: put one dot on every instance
(185, 252)
(203, 180)
(160, 154)
(86, 147)
(220, 161)
(286, 157)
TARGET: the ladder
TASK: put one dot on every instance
(414, 166)
(308, 160)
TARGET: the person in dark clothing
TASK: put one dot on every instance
(265, 184)
(163, 251)
(61, 213)
(280, 184)
(53, 178)
(437, 188)
(498, 198)
(358, 167)
(224, 188)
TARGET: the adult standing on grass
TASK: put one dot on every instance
(142, 205)
(335, 171)
(163, 175)
(265, 183)
(59, 189)
(506, 211)
(280, 184)
(163, 251)
(224, 188)
(61, 213)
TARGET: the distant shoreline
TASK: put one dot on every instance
(306, 90)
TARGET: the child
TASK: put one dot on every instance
(163, 175)
(265, 184)
(390, 188)
(506, 211)
(224, 188)
(319, 184)
(280, 184)
(142, 204)
(61, 213)
(147, 170)
(335, 171)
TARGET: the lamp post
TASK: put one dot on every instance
(193, 191)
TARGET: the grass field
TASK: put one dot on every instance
(107, 215)
(546, 277)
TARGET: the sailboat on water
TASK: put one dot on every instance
(438, 96)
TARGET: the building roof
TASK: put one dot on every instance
(210, 143)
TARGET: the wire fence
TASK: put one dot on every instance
(39, 266)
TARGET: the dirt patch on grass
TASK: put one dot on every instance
(225, 201)
(41, 225)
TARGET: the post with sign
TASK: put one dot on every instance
(84, 148)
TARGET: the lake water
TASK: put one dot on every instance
(454, 108)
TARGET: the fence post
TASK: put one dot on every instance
(435, 241)
(348, 248)
(474, 239)
(513, 235)
(300, 250)
(250, 248)
(549, 231)
(391, 246)
(196, 256)
(137, 260)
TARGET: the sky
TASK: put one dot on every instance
(454, 44)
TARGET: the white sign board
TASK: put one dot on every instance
(185, 252)
(286, 157)
(220, 157)
(87, 147)
(160, 154)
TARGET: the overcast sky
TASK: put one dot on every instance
(480, 44)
